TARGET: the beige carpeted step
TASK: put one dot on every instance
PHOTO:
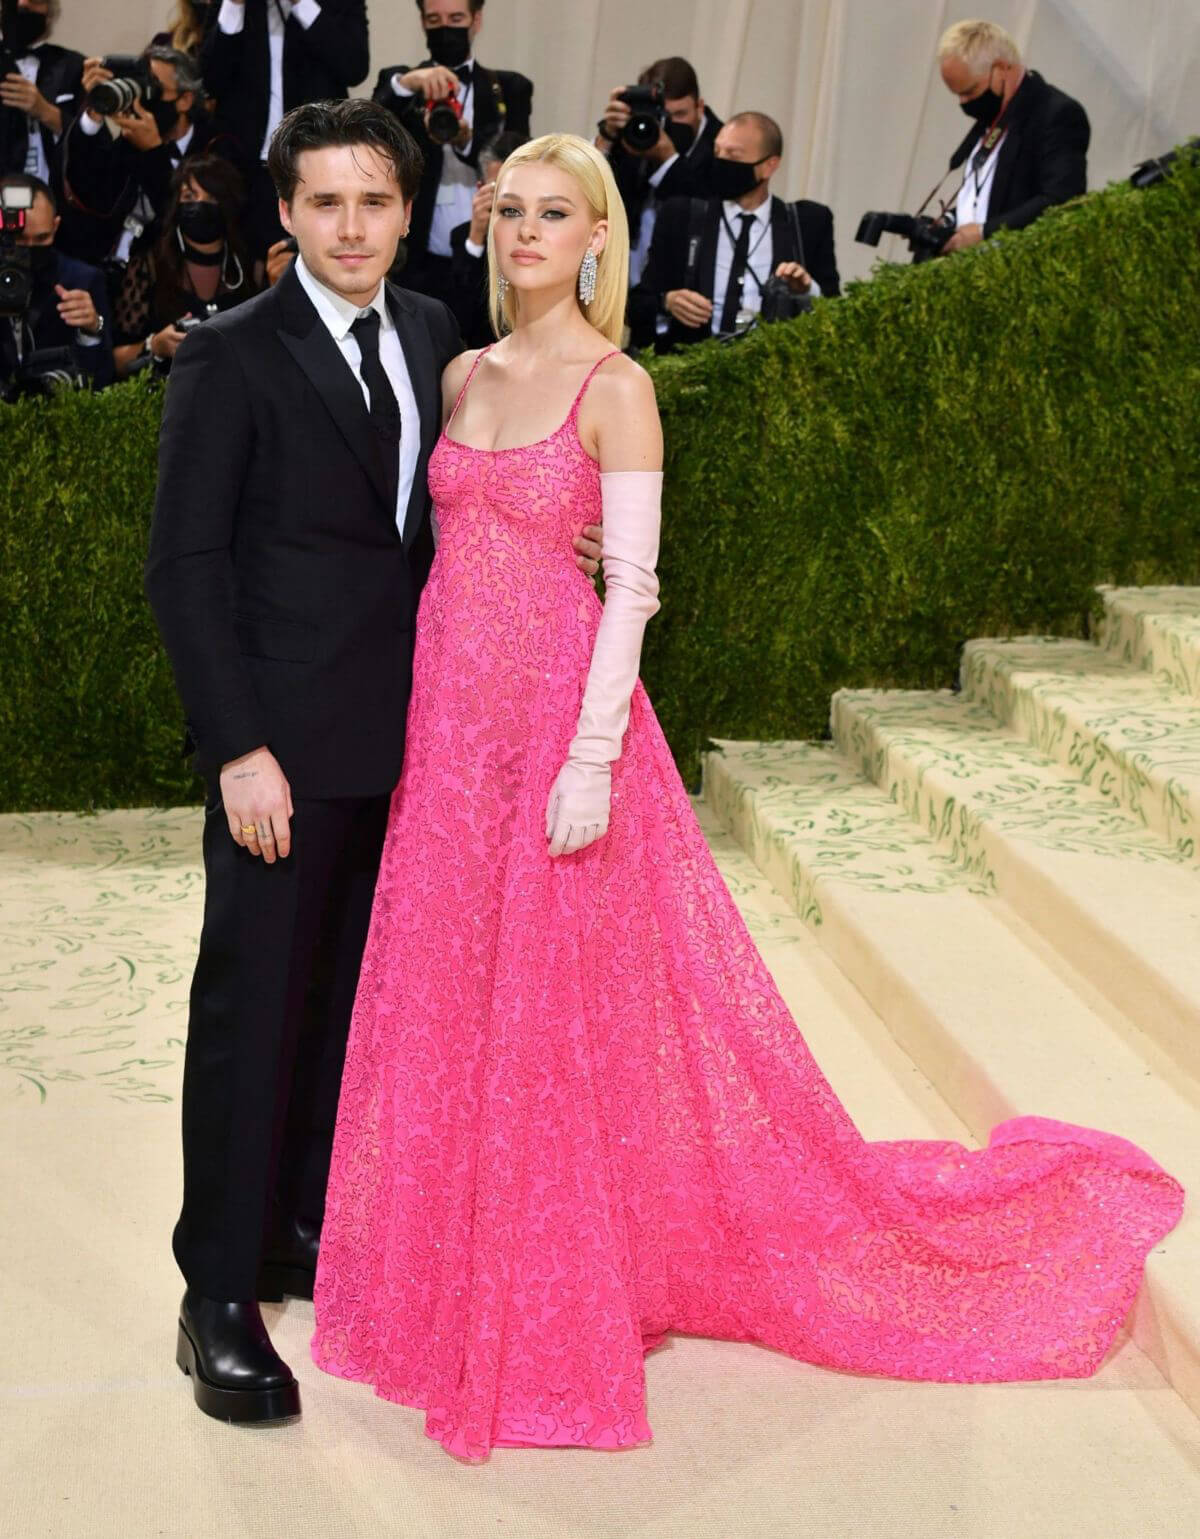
(974, 996)
(1119, 902)
(1157, 629)
(1132, 738)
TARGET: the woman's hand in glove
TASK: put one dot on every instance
(577, 809)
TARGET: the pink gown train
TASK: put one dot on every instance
(576, 1114)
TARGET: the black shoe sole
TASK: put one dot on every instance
(281, 1403)
(277, 1278)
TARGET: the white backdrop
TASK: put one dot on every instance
(867, 121)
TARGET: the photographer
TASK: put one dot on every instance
(1028, 146)
(120, 186)
(451, 105)
(675, 164)
(711, 261)
(68, 303)
(468, 244)
(40, 89)
(198, 267)
(265, 57)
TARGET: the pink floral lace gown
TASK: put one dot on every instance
(576, 1114)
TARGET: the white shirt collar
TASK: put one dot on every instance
(337, 313)
(734, 212)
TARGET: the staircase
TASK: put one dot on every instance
(1008, 879)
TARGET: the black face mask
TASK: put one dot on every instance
(450, 46)
(731, 179)
(984, 108)
(201, 222)
(27, 28)
(681, 135)
(165, 115)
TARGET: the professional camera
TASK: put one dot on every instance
(648, 115)
(1150, 172)
(443, 120)
(16, 272)
(780, 304)
(133, 81)
(925, 235)
(45, 372)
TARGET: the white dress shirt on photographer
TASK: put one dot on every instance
(339, 315)
(760, 261)
(231, 19)
(975, 194)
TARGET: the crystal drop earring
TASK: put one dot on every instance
(587, 277)
(501, 287)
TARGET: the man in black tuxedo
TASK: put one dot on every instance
(40, 90)
(487, 102)
(710, 260)
(291, 540)
(121, 186)
(265, 57)
(1027, 148)
(69, 306)
(679, 165)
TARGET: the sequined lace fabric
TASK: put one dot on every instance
(576, 1114)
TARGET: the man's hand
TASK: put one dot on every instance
(93, 73)
(16, 91)
(969, 235)
(481, 212)
(78, 309)
(138, 127)
(435, 82)
(279, 259)
(688, 307)
(166, 343)
(798, 278)
(588, 549)
(616, 114)
(258, 804)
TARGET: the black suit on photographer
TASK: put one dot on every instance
(31, 136)
(262, 59)
(62, 325)
(677, 164)
(712, 262)
(486, 102)
(120, 186)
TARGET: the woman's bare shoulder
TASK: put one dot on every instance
(454, 375)
(622, 417)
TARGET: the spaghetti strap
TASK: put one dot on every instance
(479, 357)
(578, 401)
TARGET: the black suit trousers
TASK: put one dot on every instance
(271, 1001)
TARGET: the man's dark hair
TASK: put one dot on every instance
(317, 125)
(769, 130)
(677, 76)
(475, 5)
(500, 146)
(34, 183)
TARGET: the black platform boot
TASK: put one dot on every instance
(236, 1373)
(290, 1263)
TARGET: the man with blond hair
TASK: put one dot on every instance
(1027, 147)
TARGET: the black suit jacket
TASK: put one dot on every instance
(469, 289)
(1043, 159)
(320, 63)
(668, 263)
(501, 100)
(60, 80)
(105, 178)
(50, 330)
(282, 588)
(689, 176)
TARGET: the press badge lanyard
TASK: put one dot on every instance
(750, 250)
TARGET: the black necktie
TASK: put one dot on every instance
(385, 413)
(737, 275)
(464, 73)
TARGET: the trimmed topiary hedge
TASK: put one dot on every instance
(960, 449)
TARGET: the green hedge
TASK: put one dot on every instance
(960, 449)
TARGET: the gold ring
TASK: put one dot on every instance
(249, 828)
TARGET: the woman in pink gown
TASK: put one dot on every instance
(576, 1114)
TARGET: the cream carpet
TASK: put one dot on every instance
(98, 1433)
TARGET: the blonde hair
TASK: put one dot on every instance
(592, 173)
(979, 44)
(185, 27)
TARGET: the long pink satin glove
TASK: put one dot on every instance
(578, 808)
